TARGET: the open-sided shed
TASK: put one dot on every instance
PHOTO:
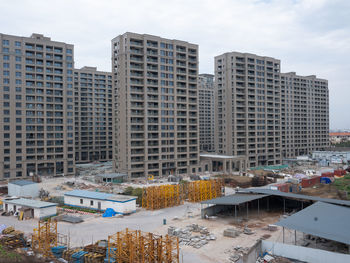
(321, 219)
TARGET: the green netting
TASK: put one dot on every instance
(270, 167)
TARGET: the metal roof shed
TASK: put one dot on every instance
(323, 220)
(296, 196)
(225, 202)
(235, 199)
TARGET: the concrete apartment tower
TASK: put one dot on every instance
(36, 104)
(206, 101)
(156, 105)
(248, 116)
(305, 114)
(93, 109)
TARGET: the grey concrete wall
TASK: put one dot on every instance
(253, 253)
(310, 255)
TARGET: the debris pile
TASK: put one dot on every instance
(272, 259)
(236, 253)
(186, 238)
(248, 231)
(12, 238)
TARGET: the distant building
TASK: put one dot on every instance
(326, 158)
(156, 97)
(121, 204)
(37, 119)
(114, 178)
(206, 101)
(339, 137)
(93, 115)
(30, 208)
(305, 114)
(248, 108)
(23, 188)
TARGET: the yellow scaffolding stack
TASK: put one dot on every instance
(157, 197)
(202, 190)
(45, 237)
(131, 246)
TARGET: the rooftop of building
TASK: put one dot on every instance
(38, 37)
(22, 182)
(339, 134)
(112, 175)
(100, 196)
(29, 203)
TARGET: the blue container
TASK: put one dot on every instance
(58, 251)
(79, 257)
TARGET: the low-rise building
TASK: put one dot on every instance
(23, 188)
(31, 208)
(325, 158)
(121, 204)
(115, 178)
(339, 137)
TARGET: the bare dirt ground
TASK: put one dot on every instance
(322, 190)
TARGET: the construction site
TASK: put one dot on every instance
(234, 218)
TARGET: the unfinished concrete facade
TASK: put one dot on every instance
(305, 114)
(248, 116)
(206, 102)
(37, 129)
(93, 109)
(156, 105)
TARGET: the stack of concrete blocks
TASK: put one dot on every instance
(186, 238)
(231, 232)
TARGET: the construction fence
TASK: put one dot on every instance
(158, 197)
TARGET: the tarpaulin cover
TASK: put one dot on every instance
(326, 180)
(109, 213)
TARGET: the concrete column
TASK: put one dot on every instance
(224, 166)
(230, 168)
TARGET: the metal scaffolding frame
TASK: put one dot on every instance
(157, 197)
(44, 237)
(134, 246)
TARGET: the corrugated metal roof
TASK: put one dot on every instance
(29, 203)
(113, 175)
(234, 199)
(99, 195)
(323, 220)
(292, 195)
(22, 182)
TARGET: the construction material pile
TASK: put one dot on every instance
(236, 253)
(186, 238)
(158, 197)
(202, 190)
(131, 246)
(12, 238)
(162, 196)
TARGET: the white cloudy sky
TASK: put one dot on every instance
(308, 36)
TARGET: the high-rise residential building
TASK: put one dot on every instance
(305, 114)
(93, 111)
(156, 111)
(36, 104)
(248, 112)
(206, 101)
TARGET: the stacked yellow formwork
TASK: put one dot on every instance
(45, 237)
(130, 246)
(202, 190)
(157, 197)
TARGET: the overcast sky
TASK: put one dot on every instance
(311, 37)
